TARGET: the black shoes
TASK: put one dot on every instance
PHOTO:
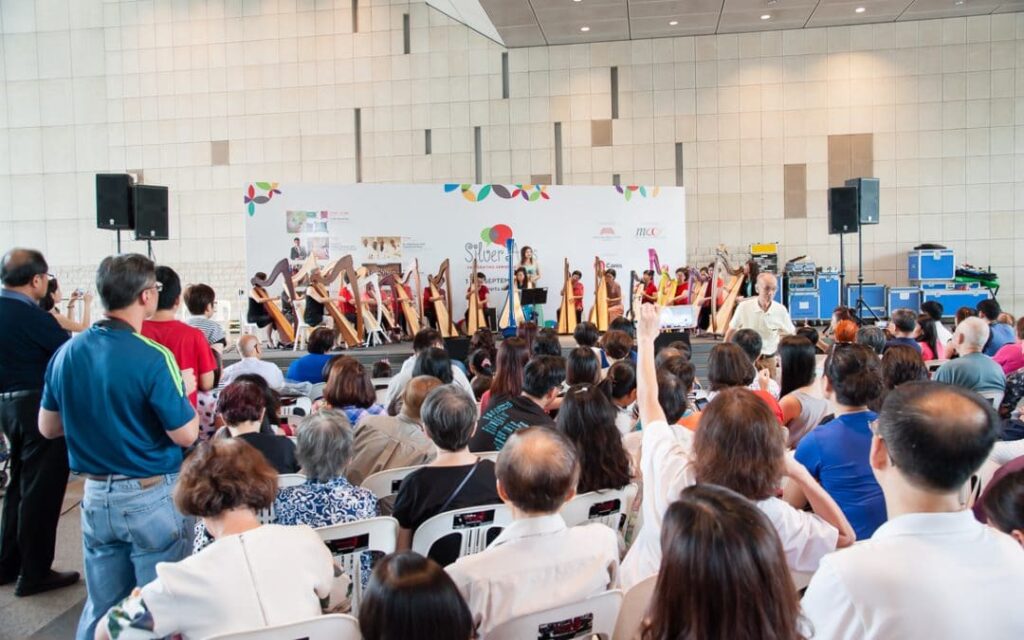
(53, 580)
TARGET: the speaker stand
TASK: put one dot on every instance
(149, 250)
(842, 267)
(861, 305)
(118, 242)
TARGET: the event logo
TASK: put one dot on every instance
(649, 232)
(606, 233)
(498, 234)
(477, 193)
(629, 191)
(251, 199)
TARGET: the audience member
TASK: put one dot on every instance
(453, 480)
(436, 363)
(123, 404)
(385, 442)
(903, 325)
(252, 574)
(200, 300)
(410, 596)
(1000, 334)
(846, 331)
(423, 340)
(349, 389)
(546, 343)
(619, 385)
(381, 369)
(481, 363)
(934, 310)
(481, 385)
(683, 346)
(188, 344)
(587, 419)
(582, 367)
(682, 370)
(872, 338)
(271, 402)
(738, 445)
(836, 453)
(528, 332)
(542, 381)
(242, 404)
(526, 568)
(615, 346)
(1011, 356)
(931, 571)
(729, 366)
(38, 466)
(899, 364)
(750, 341)
(51, 302)
(928, 338)
(310, 367)
(802, 404)
(723, 572)
(251, 350)
(587, 335)
(972, 369)
(513, 354)
(483, 340)
(811, 334)
(1002, 503)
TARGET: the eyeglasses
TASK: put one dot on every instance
(159, 286)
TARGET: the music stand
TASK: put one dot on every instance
(533, 297)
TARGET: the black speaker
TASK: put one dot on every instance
(842, 210)
(668, 337)
(150, 203)
(114, 201)
(457, 348)
(867, 198)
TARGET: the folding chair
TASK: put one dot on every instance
(488, 455)
(350, 540)
(334, 626)
(472, 524)
(610, 507)
(301, 403)
(384, 484)
(634, 608)
(594, 616)
(267, 516)
(995, 397)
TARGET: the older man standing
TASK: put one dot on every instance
(768, 318)
(123, 404)
(39, 467)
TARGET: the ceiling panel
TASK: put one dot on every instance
(505, 13)
(845, 12)
(926, 9)
(689, 25)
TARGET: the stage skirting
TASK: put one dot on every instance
(388, 227)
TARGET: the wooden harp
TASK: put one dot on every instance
(636, 298)
(319, 282)
(475, 315)
(442, 304)
(412, 317)
(284, 328)
(704, 289)
(599, 312)
(723, 314)
(567, 312)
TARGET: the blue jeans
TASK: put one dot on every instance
(126, 530)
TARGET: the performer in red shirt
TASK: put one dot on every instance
(682, 292)
(650, 288)
(577, 294)
(348, 306)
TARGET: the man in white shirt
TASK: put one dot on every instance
(424, 340)
(537, 562)
(932, 571)
(252, 352)
(768, 318)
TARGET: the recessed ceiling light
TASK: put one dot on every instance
(958, 2)
(766, 16)
(859, 10)
(576, 0)
(584, 29)
(673, 23)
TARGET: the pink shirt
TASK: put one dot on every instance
(1010, 357)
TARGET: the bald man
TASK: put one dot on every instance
(973, 369)
(251, 362)
(537, 473)
(768, 318)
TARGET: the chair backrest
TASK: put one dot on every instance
(472, 524)
(290, 480)
(594, 616)
(995, 397)
(348, 541)
(610, 507)
(386, 483)
(301, 402)
(634, 608)
(488, 455)
(973, 488)
(334, 626)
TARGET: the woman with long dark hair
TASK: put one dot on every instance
(528, 263)
(723, 573)
(582, 367)
(513, 354)
(800, 397)
(587, 418)
(619, 385)
(927, 336)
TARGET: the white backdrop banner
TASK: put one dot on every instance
(385, 226)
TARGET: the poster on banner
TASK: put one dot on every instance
(386, 227)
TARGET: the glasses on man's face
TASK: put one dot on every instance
(159, 286)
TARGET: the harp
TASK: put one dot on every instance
(637, 299)
(412, 317)
(599, 312)
(320, 281)
(284, 328)
(475, 315)
(722, 313)
(512, 313)
(703, 289)
(567, 312)
(442, 303)
(666, 286)
(373, 323)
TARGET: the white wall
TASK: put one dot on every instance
(100, 85)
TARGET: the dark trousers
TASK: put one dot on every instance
(39, 476)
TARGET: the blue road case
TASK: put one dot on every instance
(828, 294)
(804, 304)
(953, 299)
(931, 264)
(875, 297)
(905, 298)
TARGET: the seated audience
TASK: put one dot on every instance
(872, 338)
(836, 453)
(200, 300)
(252, 575)
(903, 325)
(310, 367)
(615, 346)
(720, 560)
(931, 571)
(513, 354)
(410, 596)
(738, 445)
(528, 332)
(537, 562)
(587, 335)
(1011, 356)
(381, 369)
(423, 340)
(802, 404)
(481, 385)
(961, 314)
(750, 341)
(899, 364)
(683, 346)
(385, 442)
(243, 405)
(928, 338)
(729, 366)
(846, 331)
(587, 419)
(934, 310)
(1000, 334)
(251, 351)
(972, 369)
(271, 402)
(483, 340)
(546, 343)
(683, 371)
(435, 363)
(481, 363)
(1002, 502)
(582, 367)
(811, 334)
(619, 385)
(349, 389)
(542, 381)
(453, 480)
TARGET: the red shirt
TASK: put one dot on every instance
(680, 290)
(577, 293)
(651, 292)
(345, 295)
(188, 344)
(481, 294)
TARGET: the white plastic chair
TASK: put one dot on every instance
(995, 397)
(473, 524)
(634, 608)
(348, 541)
(290, 480)
(384, 484)
(488, 455)
(301, 402)
(973, 488)
(222, 314)
(610, 507)
(594, 616)
(334, 626)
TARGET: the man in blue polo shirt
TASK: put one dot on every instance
(122, 403)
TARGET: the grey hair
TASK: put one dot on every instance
(449, 415)
(324, 444)
(120, 279)
(975, 332)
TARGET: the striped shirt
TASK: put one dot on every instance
(211, 329)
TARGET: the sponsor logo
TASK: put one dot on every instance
(498, 234)
(649, 232)
(606, 233)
